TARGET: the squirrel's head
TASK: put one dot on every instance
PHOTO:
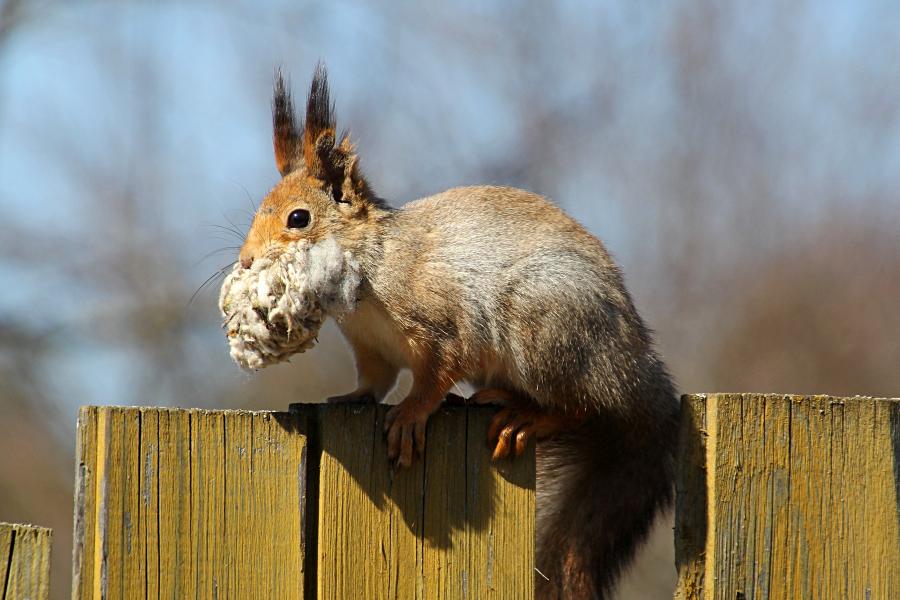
(322, 192)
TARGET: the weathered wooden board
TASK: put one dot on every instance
(788, 497)
(229, 504)
(24, 562)
(188, 503)
(455, 525)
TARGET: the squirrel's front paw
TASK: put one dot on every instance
(362, 396)
(405, 425)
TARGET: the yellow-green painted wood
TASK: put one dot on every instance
(788, 497)
(455, 525)
(188, 504)
(24, 562)
(501, 506)
(230, 504)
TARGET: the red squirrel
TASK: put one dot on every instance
(498, 287)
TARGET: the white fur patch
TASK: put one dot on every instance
(275, 308)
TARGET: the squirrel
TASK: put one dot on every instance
(498, 287)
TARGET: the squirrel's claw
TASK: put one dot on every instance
(405, 428)
(512, 428)
(514, 425)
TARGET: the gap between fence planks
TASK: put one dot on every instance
(788, 497)
(24, 562)
(216, 504)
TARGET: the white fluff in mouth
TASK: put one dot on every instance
(275, 308)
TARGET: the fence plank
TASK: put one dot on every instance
(85, 509)
(213, 504)
(24, 562)
(799, 496)
(444, 549)
(500, 501)
(187, 503)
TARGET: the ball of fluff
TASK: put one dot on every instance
(275, 308)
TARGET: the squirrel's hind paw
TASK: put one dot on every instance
(512, 428)
(494, 396)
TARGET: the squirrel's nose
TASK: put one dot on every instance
(246, 261)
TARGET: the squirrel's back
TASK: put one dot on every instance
(513, 273)
(487, 229)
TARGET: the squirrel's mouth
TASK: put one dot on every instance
(275, 308)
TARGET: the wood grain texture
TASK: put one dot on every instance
(231, 504)
(455, 525)
(188, 503)
(799, 497)
(501, 504)
(691, 500)
(24, 562)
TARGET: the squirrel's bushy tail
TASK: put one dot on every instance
(599, 491)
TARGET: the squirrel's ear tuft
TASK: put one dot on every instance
(318, 129)
(286, 136)
(325, 159)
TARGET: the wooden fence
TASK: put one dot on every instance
(777, 497)
(788, 497)
(231, 504)
(24, 562)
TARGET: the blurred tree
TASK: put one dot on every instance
(815, 315)
(34, 482)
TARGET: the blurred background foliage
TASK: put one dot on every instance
(741, 160)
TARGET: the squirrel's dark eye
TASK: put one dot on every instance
(298, 219)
